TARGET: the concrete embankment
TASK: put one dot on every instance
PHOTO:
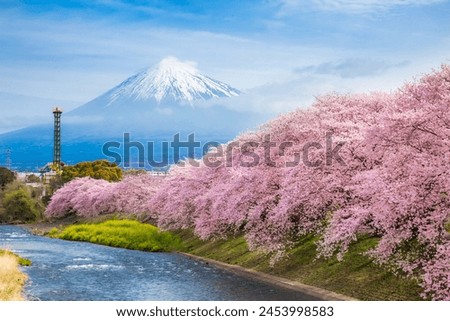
(319, 293)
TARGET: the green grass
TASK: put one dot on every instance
(356, 276)
(22, 261)
(126, 234)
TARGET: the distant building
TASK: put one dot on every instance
(47, 173)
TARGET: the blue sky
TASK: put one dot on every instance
(282, 53)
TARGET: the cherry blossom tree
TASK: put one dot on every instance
(403, 195)
(350, 165)
(88, 197)
(393, 181)
(76, 197)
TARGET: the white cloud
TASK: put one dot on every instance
(19, 111)
(351, 6)
(352, 75)
(74, 59)
(351, 67)
(77, 59)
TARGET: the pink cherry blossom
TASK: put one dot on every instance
(391, 181)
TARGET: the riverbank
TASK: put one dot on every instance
(309, 290)
(82, 271)
(12, 279)
(355, 277)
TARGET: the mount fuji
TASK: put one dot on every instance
(171, 80)
(169, 98)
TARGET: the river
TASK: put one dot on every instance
(75, 271)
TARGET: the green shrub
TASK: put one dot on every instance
(126, 234)
(99, 169)
(19, 206)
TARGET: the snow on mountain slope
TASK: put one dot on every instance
(171, 80)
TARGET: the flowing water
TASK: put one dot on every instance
(75, 271)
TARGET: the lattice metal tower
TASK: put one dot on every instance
(57, 139)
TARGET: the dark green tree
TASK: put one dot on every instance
(6, 177)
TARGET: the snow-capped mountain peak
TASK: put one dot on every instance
(171, 80)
